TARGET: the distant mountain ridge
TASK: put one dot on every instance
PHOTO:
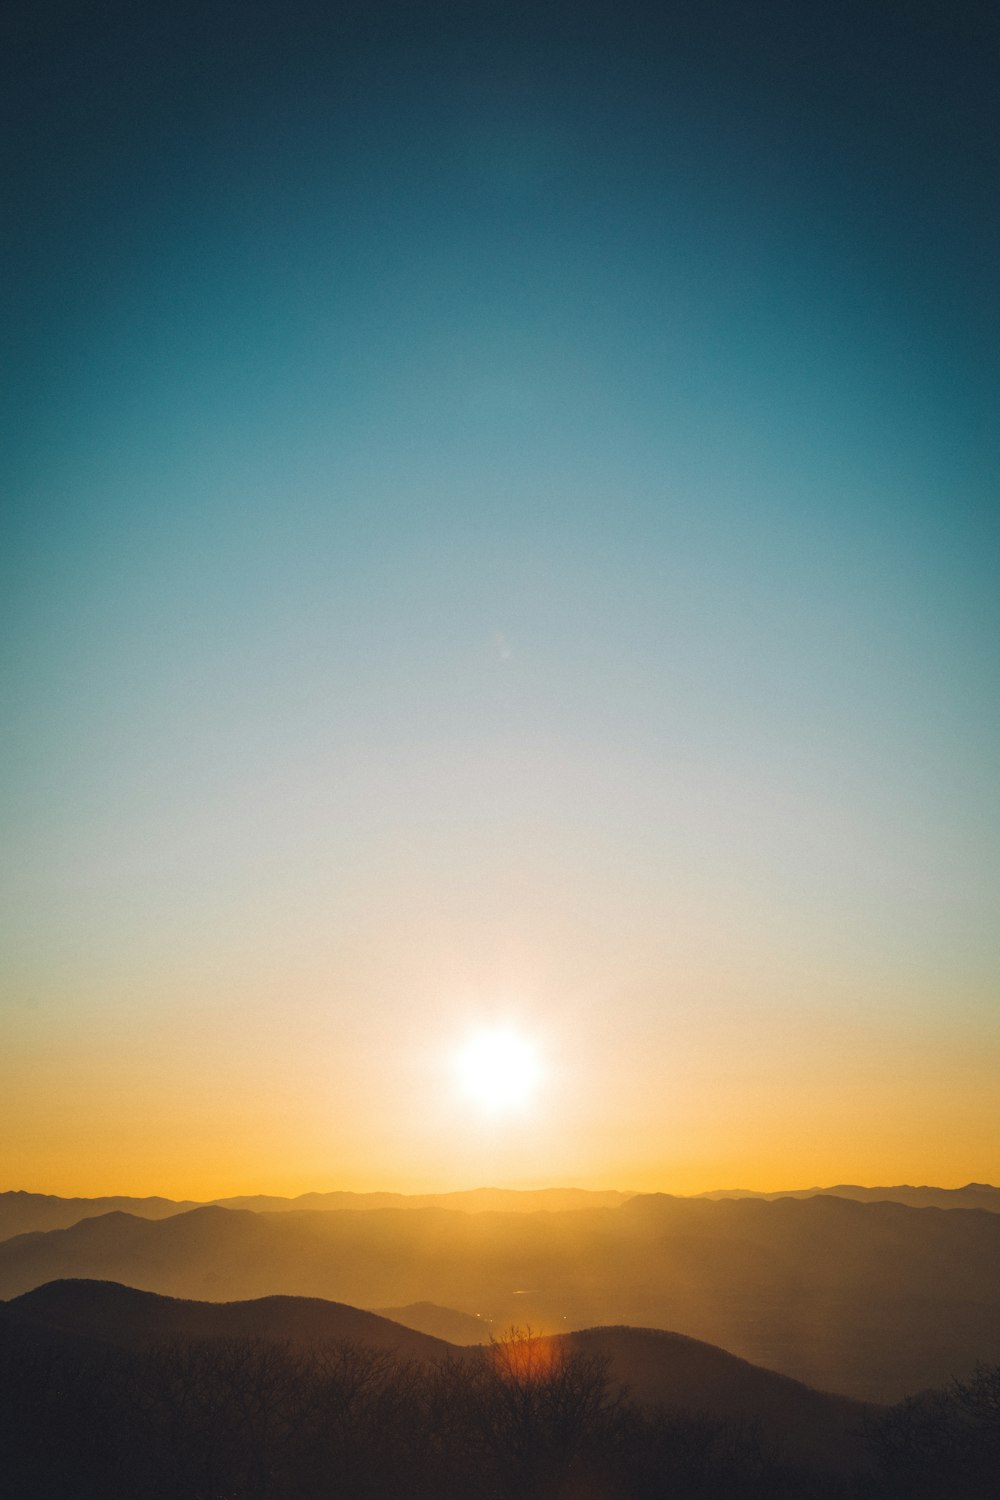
(973, 1195)
(23, 1212)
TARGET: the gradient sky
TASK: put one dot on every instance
(500, 523)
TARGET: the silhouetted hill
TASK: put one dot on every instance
(442, 1322)
(870, 1299)
(659, 1369)
(23, 1335)
(671, 1370)
(132, 1319)
(973, 1195)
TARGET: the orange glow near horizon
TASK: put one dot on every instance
(258, 1076)
(683, 1114)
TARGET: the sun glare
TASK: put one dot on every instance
(499, 1070)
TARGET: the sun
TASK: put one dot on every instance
(499, 1070)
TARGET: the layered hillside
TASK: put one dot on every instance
(870, 1299)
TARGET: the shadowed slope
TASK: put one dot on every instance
(672, 1370)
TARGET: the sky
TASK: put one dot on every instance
(499, 529)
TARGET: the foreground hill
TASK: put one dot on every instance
(24, 1213)
(657, 1368)
(873, 1300)
(136, 1320)
(669, 1369)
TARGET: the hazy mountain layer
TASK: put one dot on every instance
(973, 1195)
(474, 1200)
(23, 1213)
(441, 1322)
(871, 1299)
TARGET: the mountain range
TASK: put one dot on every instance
(22, 1212)
(870, 1300)
(972, 1195)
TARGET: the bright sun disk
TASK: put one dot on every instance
(499, 1070)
